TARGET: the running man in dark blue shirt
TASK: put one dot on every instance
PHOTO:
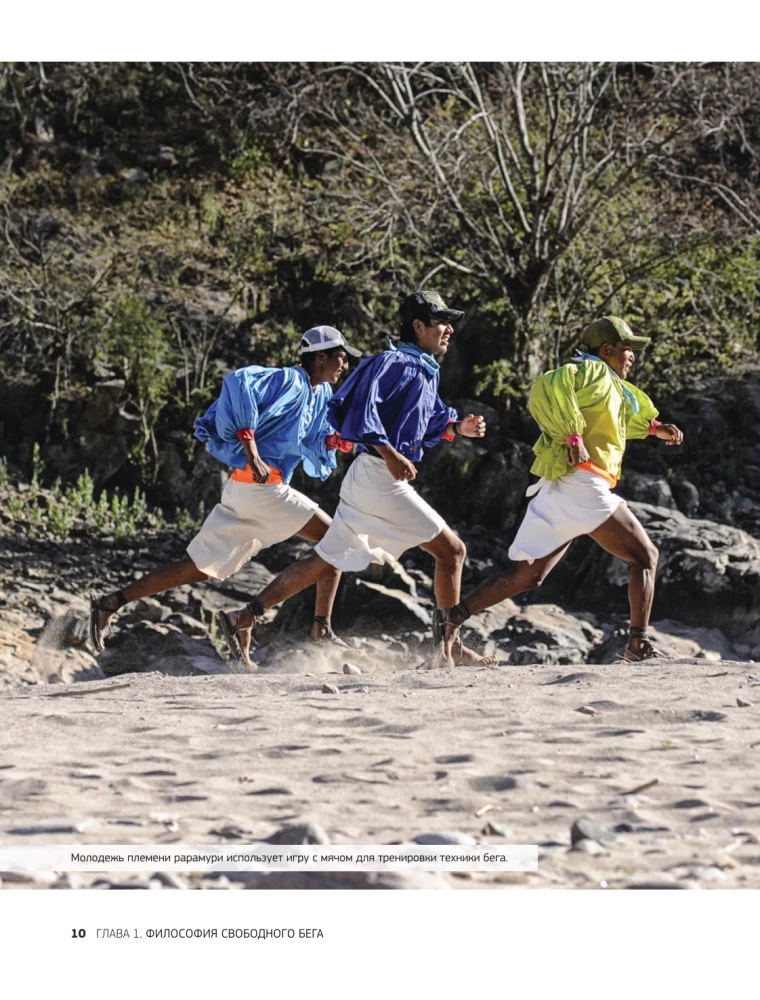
(390, 408)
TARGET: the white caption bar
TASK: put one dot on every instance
(266, 857)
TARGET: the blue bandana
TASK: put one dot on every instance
(429, 363)
(628, 396)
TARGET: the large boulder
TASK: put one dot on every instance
(646, 488)
(163, 647)
(709, 574)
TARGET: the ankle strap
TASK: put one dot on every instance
(256, 608)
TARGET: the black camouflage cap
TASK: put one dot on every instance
(427, 305)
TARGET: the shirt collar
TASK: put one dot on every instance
(629, 397)
(428, 362)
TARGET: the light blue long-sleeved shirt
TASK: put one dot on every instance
(287, 416)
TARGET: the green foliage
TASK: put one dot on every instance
(498, 380)
(38, 468)
(63, 511)
(165, 223)
(185, 520)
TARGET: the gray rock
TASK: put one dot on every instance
(29, 878)
(492, 829)
(330, 689)
(708, 575)
(445, 837)
(661, 882)
(340, 880)
(169, 879)
(301, 833)
(51, 826)
(187, 625)
(686, 496)
(164, 648)
(646, 488)
(134, 175)
(587, 846)
(349, 668)
(585, 829)
(704, 873)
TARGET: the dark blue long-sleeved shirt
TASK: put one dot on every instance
(391, 399)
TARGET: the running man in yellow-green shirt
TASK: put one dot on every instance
(586, 411)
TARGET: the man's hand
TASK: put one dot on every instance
(259, 469)
(472, 426)
(398, 466)
(578, 454)
(669, 433)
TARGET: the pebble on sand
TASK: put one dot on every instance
(584, 829)
(329, 689)
(350, 668)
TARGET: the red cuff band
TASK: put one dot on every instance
(573, 440)
(334, 441)
(449, 435)
(654, 424)
(246, 435)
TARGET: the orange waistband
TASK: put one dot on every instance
(246, 476)
(599, 471)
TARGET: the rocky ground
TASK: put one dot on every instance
(625, 775)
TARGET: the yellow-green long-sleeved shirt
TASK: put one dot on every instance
(585, 398)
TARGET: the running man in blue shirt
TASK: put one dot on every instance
(391, 409)
(265, 422)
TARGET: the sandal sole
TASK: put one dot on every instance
(230, 634)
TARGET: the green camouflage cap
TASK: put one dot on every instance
(426, 305)
(612, 330)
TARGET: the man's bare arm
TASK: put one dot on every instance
(398, 466)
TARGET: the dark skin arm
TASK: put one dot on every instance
(668, 433)
(258, 465)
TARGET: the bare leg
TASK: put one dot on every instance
(524, 576)
(164, 578)
(327, 586)
(493, 590)
(622, 535)
(295, 578)
(155, 582)
(449, 553)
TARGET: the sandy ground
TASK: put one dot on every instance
(501, 754)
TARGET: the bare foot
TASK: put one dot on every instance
(639, 650)
(450, 637)
(466, 657)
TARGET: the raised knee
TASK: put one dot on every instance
(648, 558)
(454, 551)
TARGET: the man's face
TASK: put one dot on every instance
(619, 357)
(433, 336)
(334, 366)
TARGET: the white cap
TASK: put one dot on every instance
(322, 338)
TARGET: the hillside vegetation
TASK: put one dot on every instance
(162, 224)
